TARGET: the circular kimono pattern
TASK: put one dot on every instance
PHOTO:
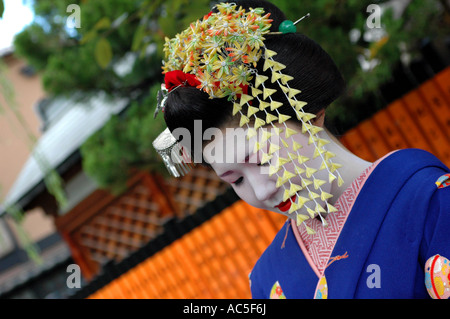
(437, 277)
(276, 292)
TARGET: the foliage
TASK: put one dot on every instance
(112, 33)
(124, 145)
(84, 59)
(32, 250)
(331, 24)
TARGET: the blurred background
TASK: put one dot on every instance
(80, 182)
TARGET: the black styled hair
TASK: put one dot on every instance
(313, 70)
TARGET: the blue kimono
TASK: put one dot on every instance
(396, 240)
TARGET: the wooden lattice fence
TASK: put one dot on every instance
(104, 228)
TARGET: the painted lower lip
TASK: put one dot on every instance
(285, 206)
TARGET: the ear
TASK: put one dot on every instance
(319, 120)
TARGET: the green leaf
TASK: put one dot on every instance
(92, 34)
(2, 8)
(103, 53)
(31, 248)
(54, 184)
(137, 38)
(167, 24)
(103, 23)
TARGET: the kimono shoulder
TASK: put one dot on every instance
(399, 221)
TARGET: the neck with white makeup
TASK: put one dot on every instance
(353, 168)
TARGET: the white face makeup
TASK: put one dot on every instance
(250, 179)
(292, 173)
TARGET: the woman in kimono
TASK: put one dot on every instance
(246, 95)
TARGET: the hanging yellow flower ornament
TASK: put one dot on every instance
(219, 54)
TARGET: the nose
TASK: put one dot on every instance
(263, 187)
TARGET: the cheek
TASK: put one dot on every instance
(247, 194)
(302, 139)
(244, 192)
(308, 151)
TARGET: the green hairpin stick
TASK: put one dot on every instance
(287, 26)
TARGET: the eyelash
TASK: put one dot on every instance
(241, 179)
(238, 181)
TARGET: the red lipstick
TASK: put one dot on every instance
(285, 206)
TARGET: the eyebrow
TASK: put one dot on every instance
(231, 172)
(226, 173)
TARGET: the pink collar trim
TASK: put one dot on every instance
(317, 248)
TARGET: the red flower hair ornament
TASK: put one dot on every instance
(173, 80)
(178, 78)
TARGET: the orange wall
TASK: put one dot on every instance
(419, 119)
(212, 261)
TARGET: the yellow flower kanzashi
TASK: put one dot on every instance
(221, 49)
